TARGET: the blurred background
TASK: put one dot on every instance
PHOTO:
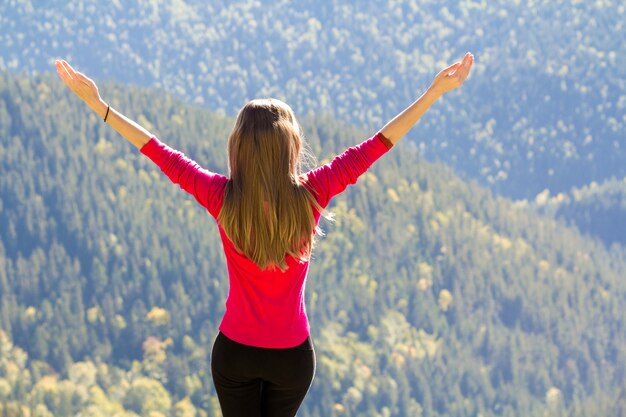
(476, 270)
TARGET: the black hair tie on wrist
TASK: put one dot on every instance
(107, 113)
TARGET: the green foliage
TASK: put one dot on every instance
(543, 109)
(428, 296)
(596, 209)
(146, 396)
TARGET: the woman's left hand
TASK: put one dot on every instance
(453, 76)
(80, 84)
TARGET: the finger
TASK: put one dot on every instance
(68, 68)
(77, 75)
(82, 77)
(71, 71)
(65, 71)
(466, 60)
(463, 71)
(62, 71)
(468, 66)
(451, 69)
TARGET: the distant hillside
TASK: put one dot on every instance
(598, 210)
(543, 109)
(428, 297)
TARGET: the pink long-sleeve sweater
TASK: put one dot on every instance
(265, 308)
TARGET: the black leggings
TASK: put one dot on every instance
(261, 382)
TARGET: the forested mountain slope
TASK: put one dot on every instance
(427, 297)
(544, 108)
(598, 210)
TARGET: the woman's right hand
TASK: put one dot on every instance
(80, 85)
(453, 76)
(87, 90)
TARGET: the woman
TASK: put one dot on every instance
(267, 213)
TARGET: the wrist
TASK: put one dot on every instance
(100, 107)
(433, 93)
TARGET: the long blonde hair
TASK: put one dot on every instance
(267, 211)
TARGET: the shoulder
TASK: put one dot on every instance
(220, 182)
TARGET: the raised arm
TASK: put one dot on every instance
(448, 79)
(206, 186)
(87, 91)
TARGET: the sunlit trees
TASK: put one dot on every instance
(428, 295)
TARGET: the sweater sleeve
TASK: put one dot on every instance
(331, 179)
(206, 186)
